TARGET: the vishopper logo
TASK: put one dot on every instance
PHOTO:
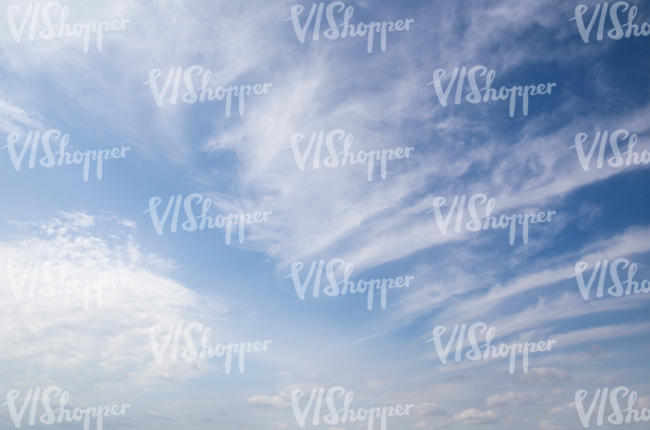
(204, 220)
(170, 90)
(342, 414)
(338, 17)
(483, 94)
(60, 415)
(49, 278)
(615, 397)
(195, 346)
(618, 30)
(344, 157)
(617, 288)
(600, 142)
(48, 21)
(502, 350)
(485, 220)
(51, 158)
(335, 268)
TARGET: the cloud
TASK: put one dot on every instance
(550, 425)
(427, 408)
(13, 117)
(474, 416)
(543, 375)
(276, 401)
(83, 302)
(243, 162)
(511, 398)
(632, 241)
(643, 402)
(562, 408)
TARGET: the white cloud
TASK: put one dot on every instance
(474, 416)
(543, 375)
(550, 425)
(643, 402)
(276, 401)
(427, 408)
(82, 304)
(562, 408)
(511, 398)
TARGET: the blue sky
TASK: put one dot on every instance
(385, 228)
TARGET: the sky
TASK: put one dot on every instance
(94, 277)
